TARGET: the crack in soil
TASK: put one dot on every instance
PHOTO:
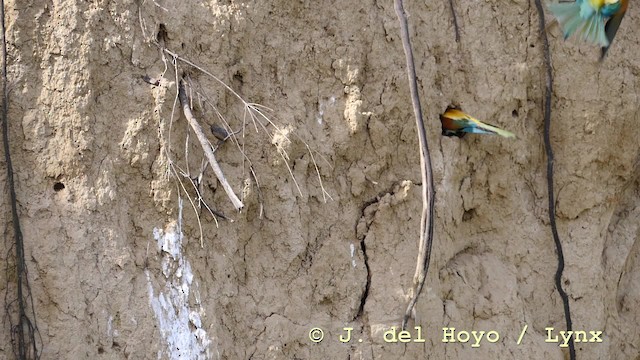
(361, 235)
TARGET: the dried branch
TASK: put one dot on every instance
(208, 151)
(259, 115)
(428, 192)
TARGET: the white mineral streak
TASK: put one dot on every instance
(180, 326)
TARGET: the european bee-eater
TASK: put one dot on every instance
(456, 123)
(586, 18)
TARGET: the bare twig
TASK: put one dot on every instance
(223, 135)
(208, 73)
(258, 114)
(160, 6)
(260, 200)
(208, 151)
(196, 186)
(325, 194)
(193, 205)
(167, 141)
(428, 192)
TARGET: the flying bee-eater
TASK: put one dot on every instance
(595, 21)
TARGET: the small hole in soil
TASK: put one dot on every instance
(58, 186)
(162, 35)
(469, 214)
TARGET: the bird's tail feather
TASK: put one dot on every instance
(485, 128)
(593, 31)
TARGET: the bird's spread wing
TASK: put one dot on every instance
(582, 19)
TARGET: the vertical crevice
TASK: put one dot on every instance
(365, 294)
(361, 236)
